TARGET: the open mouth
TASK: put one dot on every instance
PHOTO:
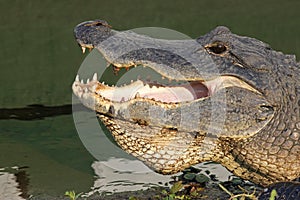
(139, 89)
(92, 34)
(182, 91)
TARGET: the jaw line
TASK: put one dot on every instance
(96, 89)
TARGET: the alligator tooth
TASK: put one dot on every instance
(77, 78)
(83, 49)
(137, 95)
(85, 90)
(81, 81)
(131, 81)
(122, 99)
(95, 78)
(238, 64)
(94, 88)
(88, 80)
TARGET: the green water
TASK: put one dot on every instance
(39, 59)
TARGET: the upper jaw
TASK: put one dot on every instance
(174, 59)
(88, 34)
(85, 46)
(181, 60)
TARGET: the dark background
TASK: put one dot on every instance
(39, 56)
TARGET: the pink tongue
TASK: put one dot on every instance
(181, 93)
(187, 92)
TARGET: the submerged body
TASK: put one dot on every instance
(237, 102)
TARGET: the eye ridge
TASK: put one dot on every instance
(217, 47)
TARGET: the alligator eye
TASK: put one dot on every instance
(99, 24)
(217, 47)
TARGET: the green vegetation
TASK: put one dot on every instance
(72, 195)
(177, 191)
(242, 196)
(246, 194)
(273, 194)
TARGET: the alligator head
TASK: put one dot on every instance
(235, 101)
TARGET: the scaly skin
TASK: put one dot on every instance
(258, 89)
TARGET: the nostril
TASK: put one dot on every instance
(266, 108)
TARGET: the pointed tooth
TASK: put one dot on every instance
(95, 77)
(85, 90)
(131, 81)
(83, 49)
(81, 81)
(94, 88)
(122, 99)
(137, 95)
(88, 80)
(77, 78)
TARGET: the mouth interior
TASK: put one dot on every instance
(157, 92)
(140, 89)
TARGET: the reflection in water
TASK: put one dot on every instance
(118, 175)
(38, 111)
(23, 180)
(52, 145)
(14, 184)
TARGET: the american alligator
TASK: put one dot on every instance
(237, 102)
